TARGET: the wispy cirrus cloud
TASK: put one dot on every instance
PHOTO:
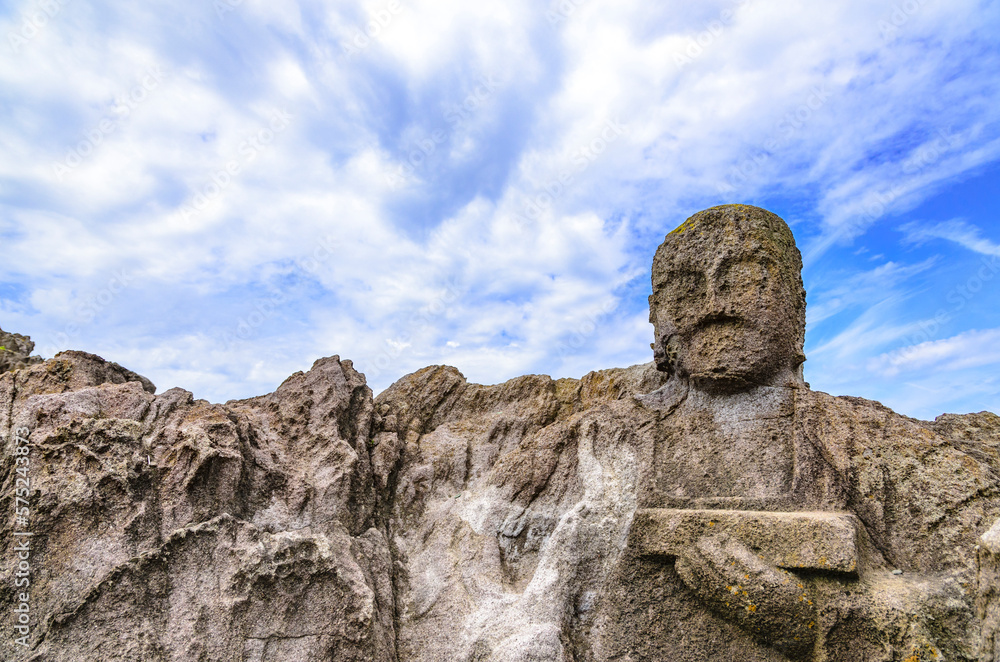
(865, 288)
(955, 230)
(971, 349)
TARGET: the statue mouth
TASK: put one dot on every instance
(723, 350)
(724, 318)
(720, 332)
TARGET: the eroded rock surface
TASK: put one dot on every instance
(988, 603)
(168, 528)
(15, 351)
(705, 506)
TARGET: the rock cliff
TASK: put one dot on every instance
(705, 506)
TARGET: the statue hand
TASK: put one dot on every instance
(771, 604)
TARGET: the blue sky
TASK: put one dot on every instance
(217, 193)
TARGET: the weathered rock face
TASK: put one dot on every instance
(512, 506)
(705, 506)
(988, 603)
(15, 351)
(170, 529)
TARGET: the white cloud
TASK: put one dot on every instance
(971, 349)
(837, 293)
(955, 230)
(873, 328)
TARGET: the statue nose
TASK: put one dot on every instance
(714, 302)
(717, 303)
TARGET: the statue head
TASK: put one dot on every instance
(728, 306)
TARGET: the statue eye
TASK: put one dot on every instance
(688, 283)
(743, 275)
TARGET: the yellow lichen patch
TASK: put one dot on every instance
(686, 225)
(752, 608)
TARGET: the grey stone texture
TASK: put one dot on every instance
(705, 506)
(168, 528)
(794, 540)
(15, 351)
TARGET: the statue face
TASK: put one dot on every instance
(728, 306)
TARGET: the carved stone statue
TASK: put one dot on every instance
(775, 514)
(728, 311)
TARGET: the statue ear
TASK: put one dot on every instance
(666, 398)
(670, 350)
